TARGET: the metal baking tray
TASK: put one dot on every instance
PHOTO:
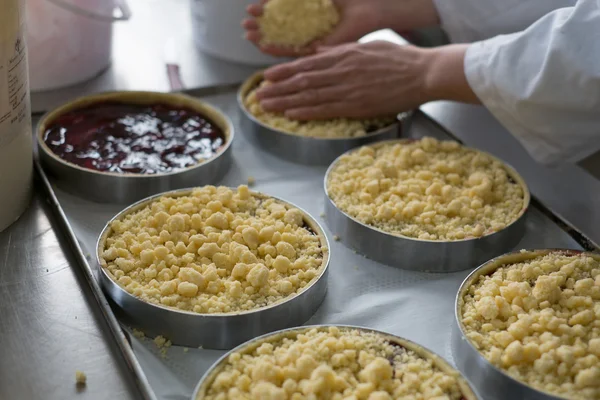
(302, 149)
(109, 187)
(468, 392)
(215, 331)
(423, 255)
(415, 305)
(486, 377)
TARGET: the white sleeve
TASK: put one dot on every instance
(543, 84)
(466, 21)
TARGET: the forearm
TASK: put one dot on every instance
(542, 84)
(444, 75)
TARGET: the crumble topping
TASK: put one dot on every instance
(539, 320)
(216, 250)
(331, 363)
(426, 189)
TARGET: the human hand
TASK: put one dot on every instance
(364, 80)
(357, 18)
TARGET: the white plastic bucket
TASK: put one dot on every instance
(70, 41)
(16, 160)
(217, 32)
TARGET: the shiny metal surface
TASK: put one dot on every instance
(423, 255)
(397, 295)
(108, 187)
(214, 331)
(112, 325)
(50, 324)
(31, 366)
(486, 378)
(302, 149)
(200, 391)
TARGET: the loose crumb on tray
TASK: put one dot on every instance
(162, 342)
(138, 334)
(426, 189)
(80, 378)
(163, 345)
(539, 320)
(332, 363)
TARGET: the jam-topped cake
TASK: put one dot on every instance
(134, 138)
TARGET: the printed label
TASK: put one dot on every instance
(14, 96)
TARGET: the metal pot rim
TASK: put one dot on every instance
(486, 269)
(137, 97)
(420, 350)
(512, 173)
(255, 78)
(313, 223)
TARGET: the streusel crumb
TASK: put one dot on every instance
(139, 334)
(216, 250)
(325, 129)
(539, 320)
(296, 23)
(426, 189)
(80, 378)
(334, 364)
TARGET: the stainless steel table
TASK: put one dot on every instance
(50, 323)
(51, 326)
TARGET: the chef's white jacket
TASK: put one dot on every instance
(535, 64)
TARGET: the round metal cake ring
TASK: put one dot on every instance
(487, 378)
(207, 379)
(215, 331)
(423, 255)
(304, 149)
(125, 188)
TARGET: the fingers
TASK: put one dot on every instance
(250, 24)
(343, 33)
(255, 10)
(252, 28)
(253, 36)
(280, 51)
(302, 81)
(305, 98)
(323, 49)
(326, 111)
(305, 64)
